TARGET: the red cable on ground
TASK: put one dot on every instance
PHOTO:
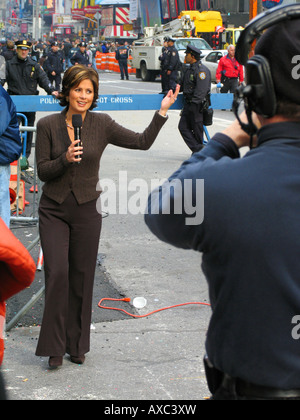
(150, 313)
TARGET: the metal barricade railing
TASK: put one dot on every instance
(33, 219)
(24, 136)
(24, 129)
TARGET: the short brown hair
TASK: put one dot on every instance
(288, 109)
(73, 77)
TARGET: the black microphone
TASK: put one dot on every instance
(77, 124)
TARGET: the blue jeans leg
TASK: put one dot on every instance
(4, 194)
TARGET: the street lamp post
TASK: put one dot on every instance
(98, 17)
(37, 19)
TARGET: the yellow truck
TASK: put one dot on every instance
(227, 36)
(209, 25)
(207, 21)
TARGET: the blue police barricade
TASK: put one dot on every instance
(117, 103)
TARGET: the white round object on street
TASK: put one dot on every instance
(139, 302)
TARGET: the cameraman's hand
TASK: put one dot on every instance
(238, 135)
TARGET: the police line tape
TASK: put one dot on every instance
(115, 102)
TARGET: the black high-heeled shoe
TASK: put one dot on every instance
(55, 361)
(78, 360)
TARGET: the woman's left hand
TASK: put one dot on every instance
(168, 101)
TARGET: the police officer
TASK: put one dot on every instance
(23, 75)
(81, 56)
(162, 59)
(122, 55)
(196, 85)
(172, 65)
(54, 65)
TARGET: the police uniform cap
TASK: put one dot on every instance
(194, 51)
(24, 45)
(54, 44)
(170, 39)
(82, 44)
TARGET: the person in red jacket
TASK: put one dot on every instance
(229, 72)
(17, 271)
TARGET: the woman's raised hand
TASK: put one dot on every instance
(168, 101)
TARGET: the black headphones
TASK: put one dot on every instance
(259, 93)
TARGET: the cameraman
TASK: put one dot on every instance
(249, 239)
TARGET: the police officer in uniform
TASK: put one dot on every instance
(171, 65)
(23, 75)
(54, 65)
(196, 85)
(162, 59)
(122, 56)
(81, 56)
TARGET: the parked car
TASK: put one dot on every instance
(211, 61)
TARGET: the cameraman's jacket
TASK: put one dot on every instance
(10, 142)
(248, 232)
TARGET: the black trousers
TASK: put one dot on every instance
(123, 69)
(171, 80)
(230, 85)
(3, 396)
(70, 236)
(164, 81)
(223, 387)
(191, 127)
(56, 79)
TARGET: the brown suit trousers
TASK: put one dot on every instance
(70, 236)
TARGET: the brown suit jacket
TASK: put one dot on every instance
(98, 130)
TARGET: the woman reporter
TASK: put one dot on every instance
(68, 219)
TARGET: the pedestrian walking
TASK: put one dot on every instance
(54, 65)
(67, 52)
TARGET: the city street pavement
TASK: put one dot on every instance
(154, 358)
